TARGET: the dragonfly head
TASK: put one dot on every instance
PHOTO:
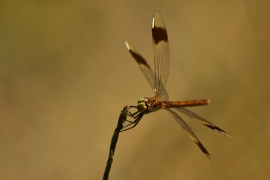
(142, 104)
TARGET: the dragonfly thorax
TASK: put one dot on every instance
(146, 105)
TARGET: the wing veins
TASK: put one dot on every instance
(161, 54)
(191, 134)
(202, 120)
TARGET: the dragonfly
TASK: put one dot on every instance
(157, 79)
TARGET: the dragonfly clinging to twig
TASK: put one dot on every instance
(157, 79)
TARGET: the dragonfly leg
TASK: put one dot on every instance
(132, 124)
(134, 115)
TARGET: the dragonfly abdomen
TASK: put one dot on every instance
(171, 104)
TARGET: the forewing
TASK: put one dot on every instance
(201, 120)
(190, 133)
(143, 65)
(161, 54)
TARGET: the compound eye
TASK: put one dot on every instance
(140, 100)
(141, 107)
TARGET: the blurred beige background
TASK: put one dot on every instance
(65, 75)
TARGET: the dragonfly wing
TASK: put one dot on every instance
(161, 54)
(142, 63)
(201, 120)
(190, 133)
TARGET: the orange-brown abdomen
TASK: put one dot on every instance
(171, 104)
